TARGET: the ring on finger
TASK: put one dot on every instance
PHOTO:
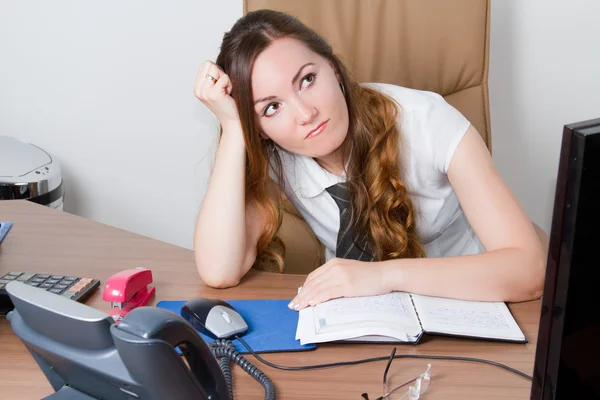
(212, 78)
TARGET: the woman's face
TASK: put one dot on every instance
(298, 100)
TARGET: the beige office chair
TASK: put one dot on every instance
(436, 45)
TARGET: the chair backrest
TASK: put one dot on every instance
(436, 45)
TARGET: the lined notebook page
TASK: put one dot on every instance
(392, 310)
(467, 318)
(389, 315)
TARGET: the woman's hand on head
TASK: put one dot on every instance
(341, 278)
(213, 88)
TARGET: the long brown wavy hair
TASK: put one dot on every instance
(381, 208)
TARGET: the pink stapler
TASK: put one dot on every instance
(127, 290)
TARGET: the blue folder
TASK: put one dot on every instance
(271, 325)
(4, 228)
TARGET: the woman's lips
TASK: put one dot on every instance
(317, 130)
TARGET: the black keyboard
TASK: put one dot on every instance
(72, 287)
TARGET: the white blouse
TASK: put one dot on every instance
(430, 131)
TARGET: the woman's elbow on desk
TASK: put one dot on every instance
(528, 285)
(217, 275)
(220, 282)
(216, 279)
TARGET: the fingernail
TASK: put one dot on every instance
(297, 306)
(312, 302)
(291, 305)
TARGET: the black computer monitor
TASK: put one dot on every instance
(567, 361)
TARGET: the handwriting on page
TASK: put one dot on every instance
(390, 311)
(486, 319)
(469, 318)
(391, 315)
(392, 304)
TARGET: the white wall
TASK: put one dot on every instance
(107, 88)
(544, 73)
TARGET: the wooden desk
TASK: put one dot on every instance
(45, 240)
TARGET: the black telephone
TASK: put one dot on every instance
(85, 355)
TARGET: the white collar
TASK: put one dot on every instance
(305, 176)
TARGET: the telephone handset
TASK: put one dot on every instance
(85, 355)
(148, 336)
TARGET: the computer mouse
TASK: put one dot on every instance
(213, 317)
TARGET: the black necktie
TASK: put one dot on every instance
(348, 245)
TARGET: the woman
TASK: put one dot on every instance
(395, 182)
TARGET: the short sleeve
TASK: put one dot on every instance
(445, 126)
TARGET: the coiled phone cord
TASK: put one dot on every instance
(224, 365)
(225, 350)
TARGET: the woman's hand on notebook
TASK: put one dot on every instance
(340, 278)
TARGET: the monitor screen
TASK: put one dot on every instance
(568, 348)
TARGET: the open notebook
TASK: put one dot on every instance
(405, 317)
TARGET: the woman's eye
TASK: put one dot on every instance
(270, 109)
(308, 80)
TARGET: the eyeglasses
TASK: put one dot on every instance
(419, 386)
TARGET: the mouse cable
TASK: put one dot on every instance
(373, 359)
